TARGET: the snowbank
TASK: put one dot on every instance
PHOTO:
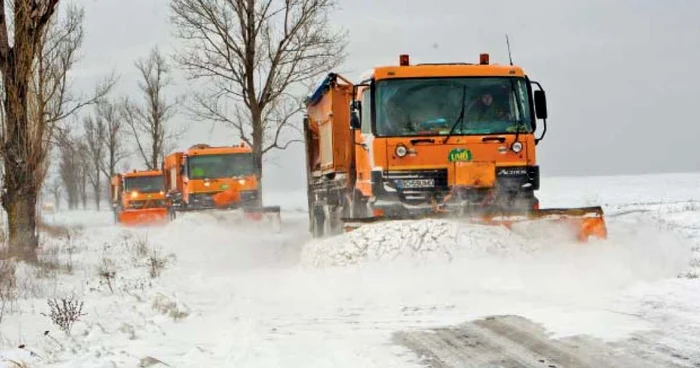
(636, 249)
(234, 294)
(423, 239)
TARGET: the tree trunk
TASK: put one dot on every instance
(98, 194)
(20, 205)
(57, 200)
(21, 189)
(258, 154)
(155, 152)
(83, 192)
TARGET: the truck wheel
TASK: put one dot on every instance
(336, 219)
(317, 222)
(328, 217)
(354, 206)
(531, 201)
(521, 201)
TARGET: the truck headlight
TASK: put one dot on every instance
(401, 150)
(241, 181)
(517, 147)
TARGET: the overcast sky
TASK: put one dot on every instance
(621, 75)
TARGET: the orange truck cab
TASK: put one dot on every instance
(138, 197)
(205, 177)
(416, 139)
(427, 140)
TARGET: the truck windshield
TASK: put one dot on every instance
(220, 166)
(144, 184)
(432, 106)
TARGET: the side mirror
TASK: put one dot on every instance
(355, 120)
(540, 104)
(182, 169)
(355, 108)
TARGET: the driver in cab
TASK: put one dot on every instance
(486, 109)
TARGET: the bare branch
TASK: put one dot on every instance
(110, 114)
(95, 134)
(98, 96)
(148, 122)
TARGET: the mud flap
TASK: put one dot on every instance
(143, 217)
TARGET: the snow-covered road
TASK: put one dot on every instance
(234, 295)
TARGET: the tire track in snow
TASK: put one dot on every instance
(515, 342)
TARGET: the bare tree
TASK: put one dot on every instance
(255, 54)
(55, 190)
(21, 161)
(95, 136)
(114, 126)
(148, 122)
(70, 166)
(83, 171)
(35, 73)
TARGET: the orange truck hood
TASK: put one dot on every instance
(469, 160)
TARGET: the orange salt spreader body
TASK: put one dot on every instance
(138, 198)
(452, 140)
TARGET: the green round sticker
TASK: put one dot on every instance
(460, 155)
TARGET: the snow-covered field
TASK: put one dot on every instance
(240, 295)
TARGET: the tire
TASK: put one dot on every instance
(524, 201)
(317, 223)
(355, 206)
(328, 220)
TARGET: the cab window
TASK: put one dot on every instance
(366, 117)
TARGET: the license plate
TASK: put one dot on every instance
(417, 183)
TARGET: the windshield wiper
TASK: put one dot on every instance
(460, 118)
(517, 106)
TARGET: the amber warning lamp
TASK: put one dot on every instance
(403, 60)
(484, 59)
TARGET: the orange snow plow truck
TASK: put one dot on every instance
(215, 178)
(138, 198)
(453, 140)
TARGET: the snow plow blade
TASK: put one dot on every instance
(581, 223)
(269, 213)
(143, 217)
(243, 215)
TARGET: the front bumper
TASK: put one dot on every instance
(390, 186)
(146, 216)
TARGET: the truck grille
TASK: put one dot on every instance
(202, 199)
(148, 203)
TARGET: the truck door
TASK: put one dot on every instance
(363, 145)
